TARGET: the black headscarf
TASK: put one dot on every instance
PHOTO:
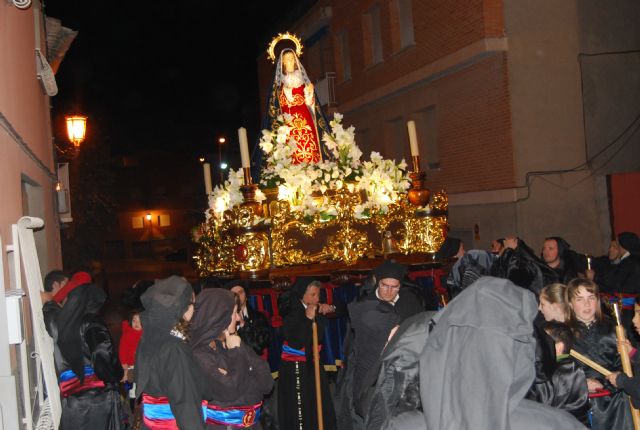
(165, 302)
(87, 299)
(630, 242)
(237, 283)
(449, 248)
(563, 246)
(296, 293)
(212, 315)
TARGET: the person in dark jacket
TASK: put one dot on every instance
(297, 409)
(236, 378)
(567, 387)
(167, 376)
(628, 384)
(86, 361)
(372, 321)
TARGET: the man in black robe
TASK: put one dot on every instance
(373, 320)
(86, 362)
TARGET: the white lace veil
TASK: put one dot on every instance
(279, 77)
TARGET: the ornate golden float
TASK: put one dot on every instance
(340, 209)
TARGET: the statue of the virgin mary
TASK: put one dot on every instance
(292, 93)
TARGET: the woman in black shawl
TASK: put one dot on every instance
(236, 378)
(86, 362)
(167, 376)
(296, 384)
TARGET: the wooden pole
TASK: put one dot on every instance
(316, 368)
(626, 362)
(589, 362)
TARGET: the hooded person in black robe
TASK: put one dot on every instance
(167, 376)
(568, 264)
(597, 340)
(478, 364)
(623, 277)
(566, 388)
(371, 321)
(86, 362)
(236, 379)
(296, 382)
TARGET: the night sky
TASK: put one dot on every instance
(165, 74)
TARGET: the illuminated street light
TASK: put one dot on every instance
(223, 165)
(76, 129)
(221, 142)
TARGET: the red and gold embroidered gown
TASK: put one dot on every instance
(303, 129)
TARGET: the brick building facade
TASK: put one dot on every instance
(495, 90)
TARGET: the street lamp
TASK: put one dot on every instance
(221, 142)
(76, 129)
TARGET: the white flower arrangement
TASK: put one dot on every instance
(383, 181)
(228, 195)
(305, 185)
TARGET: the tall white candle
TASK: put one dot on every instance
(413, 138)
(207, 178)
(244, 147)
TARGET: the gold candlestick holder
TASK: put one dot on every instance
(249, 193)
(418, 194)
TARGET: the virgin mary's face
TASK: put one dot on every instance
(289, 62)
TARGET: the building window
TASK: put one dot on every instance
(343, 58)
(372, 36)
(401, 16)
(428, 137)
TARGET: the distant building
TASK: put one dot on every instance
(28, 174)
(160, 199)
(522, 128)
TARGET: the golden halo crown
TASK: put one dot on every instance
(279, 38)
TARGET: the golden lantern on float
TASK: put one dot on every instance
(76, 129)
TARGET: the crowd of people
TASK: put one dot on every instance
(499, 355)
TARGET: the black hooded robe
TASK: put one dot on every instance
(296, 379)
(246, 378)
(599, 343)
(165, 366)
(83, 342)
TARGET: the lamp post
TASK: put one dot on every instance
(221, 142)
(76, 129)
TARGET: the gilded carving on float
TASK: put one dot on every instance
(330, 205)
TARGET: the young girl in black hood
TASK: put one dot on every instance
(167, 376)
(236, 378)
(595, 337)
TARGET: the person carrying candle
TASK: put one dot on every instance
(630, 385)
(236, 378)
(595, 337)
(167, 376)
